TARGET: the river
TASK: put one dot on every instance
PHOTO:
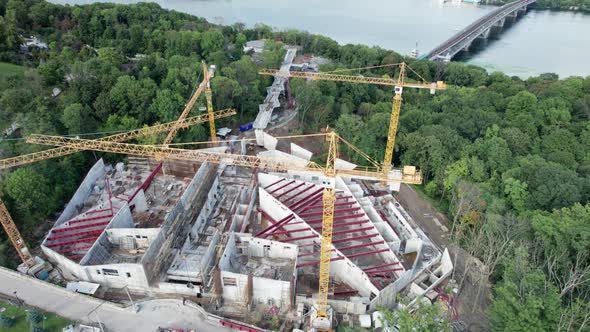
(540, 42)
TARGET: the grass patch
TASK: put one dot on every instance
(9, 68)
(52, 323)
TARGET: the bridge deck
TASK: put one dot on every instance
(463, 38)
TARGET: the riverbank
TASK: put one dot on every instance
(522, 49)
(547, 5)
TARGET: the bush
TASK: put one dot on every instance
(6, 321)
(38, 329)
(34, 316)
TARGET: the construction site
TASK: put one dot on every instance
(243, 228)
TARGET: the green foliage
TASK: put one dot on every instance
(420, 317)
(34, 316)
(32, 192)
(6, 321)
(38, 329)
(491, 148)
(524, 300)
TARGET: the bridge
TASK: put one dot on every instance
(481, 28)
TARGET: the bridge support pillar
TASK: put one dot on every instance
(500, 23)
(485, 34)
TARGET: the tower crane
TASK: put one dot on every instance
(172, 128)
(322, 321)
(398, 83)
(6, 220)
(203, 86)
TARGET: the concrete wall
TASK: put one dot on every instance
(171, 288)
(141, 237)
(234, 287)
(84, 190)
(176, 226)
(276, 250)
(300, 152)
(345, 270)
(131, 275)
(212, 197)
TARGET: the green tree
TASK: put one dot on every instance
(420, 317)
(77, 119)
(167, 105)
(32, 192)
(212, 41)
(516, 192)
(524, 300)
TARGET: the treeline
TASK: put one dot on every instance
(581, 5)
(508, 160)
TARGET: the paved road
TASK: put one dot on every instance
(152, 314)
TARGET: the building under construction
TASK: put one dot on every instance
(237, 240)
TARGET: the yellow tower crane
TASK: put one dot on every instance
(322, 321)
(203, 86)
(172, 128)
(6, 220)
(398, 83)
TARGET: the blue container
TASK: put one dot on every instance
(43, 275)
(246, 127)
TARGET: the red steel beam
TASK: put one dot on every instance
(340, 225)
(67, 243)
(276, 224)
(375, 283)
(312, 263)
(311, 196)
(319, 198)
(59, 237)
(362, 245)
(283, 186)
(266, 215)
(354, 238)
(290, 190)
(73, 228)
(77, 221)
(272, 184)
(97, 211)
(298, 193)
(74, 249)
(298, 230)
(384, 271)
(380, 266)
(75, 256)
(319, 206)
(300, 238)
(312, 214)
(239, 327)
(316, 198)
(367, 253)
(350, 292)
(148, 181)
(340, 218)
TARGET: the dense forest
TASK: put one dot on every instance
(506, 159)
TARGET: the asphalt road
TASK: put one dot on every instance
(85, 309)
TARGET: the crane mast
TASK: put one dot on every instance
(14, 235)
(398, 83)
(208, 74)
(394, 119)
(323, 320)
